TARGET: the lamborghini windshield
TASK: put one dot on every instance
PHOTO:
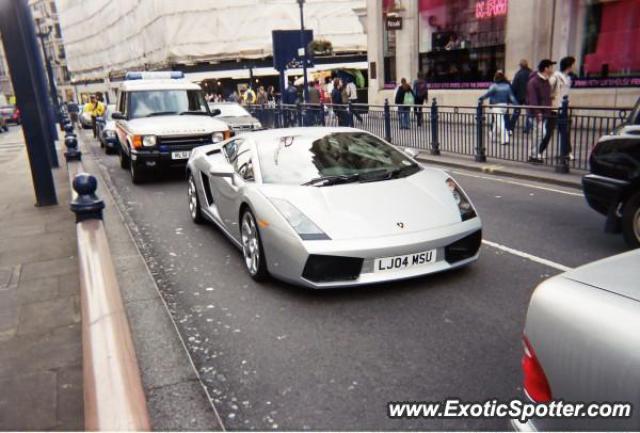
(339, 157)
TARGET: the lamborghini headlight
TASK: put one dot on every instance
(217, 137)
(306, 229)
(464, 205)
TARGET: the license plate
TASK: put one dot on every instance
(181, 155)
(398, 263)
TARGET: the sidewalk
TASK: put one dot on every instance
(40, 333)
(519, 170)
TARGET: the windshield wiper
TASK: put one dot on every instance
(384, 174)
(160, 113)
(202, 113)
(333, 180)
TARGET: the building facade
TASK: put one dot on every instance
(459, 45)
(45, 14)
(223, 41)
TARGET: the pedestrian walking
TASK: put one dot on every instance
(519, 87)
(560, 83)
(73, 110)
(404, 98)
(500, 95)
(248, 96)
(261, 97)
(352, 92)
(290, 97)
(314, 99)
(336, 101)
(539, 97)
(96, 109)
(421, 92)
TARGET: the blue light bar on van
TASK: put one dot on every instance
(153, 75)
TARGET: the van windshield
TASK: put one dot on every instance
(147, 103)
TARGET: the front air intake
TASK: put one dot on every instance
(464, 248)
(325, 269)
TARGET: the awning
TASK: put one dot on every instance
(243, 74)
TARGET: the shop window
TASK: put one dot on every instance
(461, 42)
(610, 40)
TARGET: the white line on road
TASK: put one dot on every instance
(527, 256)
(513, 182)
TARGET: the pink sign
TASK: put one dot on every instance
(491, 8)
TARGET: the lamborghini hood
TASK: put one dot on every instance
(372, 209)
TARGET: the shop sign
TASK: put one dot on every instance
(394, 22)
(491, 8)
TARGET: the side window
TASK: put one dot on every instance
(122, 106)
(231, 150)
(244, 164)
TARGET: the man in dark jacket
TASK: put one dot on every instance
(519, 86)
(290, 96)
(539, 94)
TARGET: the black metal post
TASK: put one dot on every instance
(305, 90)
(435, 145)
(86, 205)
(387, 121)
(350, 108)
(562, 165)
(480, 155)
(323, 121)
(25, 66)
(299, 111)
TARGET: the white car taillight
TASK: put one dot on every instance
(536, 384)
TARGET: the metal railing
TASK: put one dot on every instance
(509, 132)
(114, 399)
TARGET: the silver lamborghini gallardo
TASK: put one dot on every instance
(331, 207)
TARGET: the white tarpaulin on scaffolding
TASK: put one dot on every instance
(102, 36)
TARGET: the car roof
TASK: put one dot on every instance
(162, 84)
(618, 274)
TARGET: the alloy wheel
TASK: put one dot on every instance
(250, 244)
(193, 199)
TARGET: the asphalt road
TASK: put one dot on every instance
(274, 356)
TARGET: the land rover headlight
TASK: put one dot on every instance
(464, 205)
(217, 137)
(149, 140)
(306, 229)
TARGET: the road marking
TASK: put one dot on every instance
(527, 256)
(513, 182)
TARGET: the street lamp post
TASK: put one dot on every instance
(305, 90)
(52, 84)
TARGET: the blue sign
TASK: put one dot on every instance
(286, 44)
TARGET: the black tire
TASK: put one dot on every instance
(5, 128)
(124, 159)
(109, 150)
(138, 174)
(631, 221)
(260, 273)
(194, 201)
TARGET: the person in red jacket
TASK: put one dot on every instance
(539, 96)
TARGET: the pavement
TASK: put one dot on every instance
(275, 356)
(518, 170)
(40, 317)
(40, 332)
